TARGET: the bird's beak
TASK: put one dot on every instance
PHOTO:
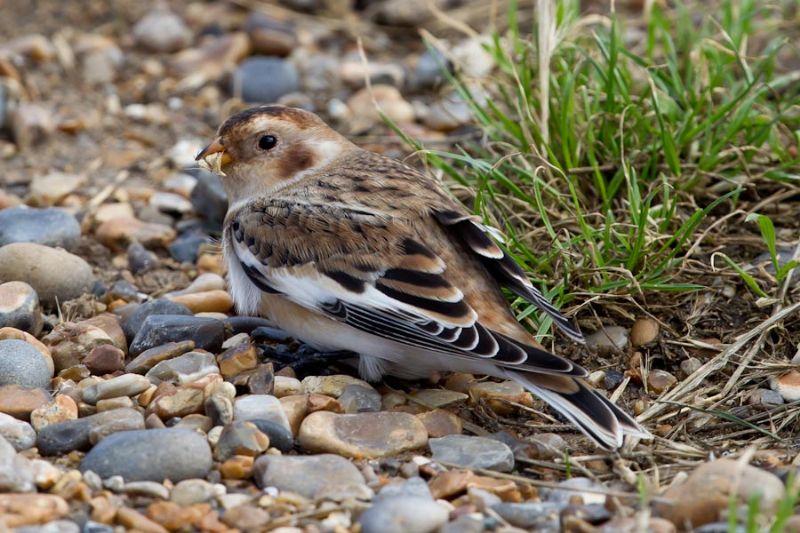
(224, 158)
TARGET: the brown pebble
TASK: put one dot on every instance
(237, 359)
(19, 401)
(644, 331)
(660, 380)
(216, 301)
(132, 519)
(237, 467)
(105, 359)
(439, 423)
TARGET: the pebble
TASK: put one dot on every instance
(186, 248)
(430, 68)
(22, 364)
(610, 339)
(279, 437)
(659, 381)
(510, 391)
(151, 455)
(532, 516)
(434, 398)
(389, 100)
(690, 365)
(16, 473)
(358, 399)
(26, 509)
(268, 36)
(186, 368)
(286, 386)
(20, 402)
(764, 397)
(644, 331)
(55, 274)
(547, 446)
(124, 385)
(207, 333)
(161, 30)
(571, 488)
(403, 514)
(51, 188)
(208, 196)
(70, 343)
(260, 406)
(317, 477)
(150, 358)
(333, 385)
(170, 203)
(240, 438)
(260, 79)
(132, 323)
(19, 307)
(216, 301)
(118, 233)
(448, 113)
(105, 359)
(64, 437)
(48, 226)
(439, 423)
(178, 402)
(364, 435)
(787, 385)
(61, 409)
(207, 282)
(18, 433)
(706, 494)
(192, 491)
(473, 452)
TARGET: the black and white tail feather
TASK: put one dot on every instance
(390, 286)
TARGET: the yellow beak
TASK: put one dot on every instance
(215, 147)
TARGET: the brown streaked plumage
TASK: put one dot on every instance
(350, 250)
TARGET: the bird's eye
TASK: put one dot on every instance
(267, 142)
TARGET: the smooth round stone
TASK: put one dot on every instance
(317, 477)
(473, 452)
(415, 486)
(404, 514)
(55, 274)
(131, 324)
(22, 364)
(279, 437)
(18, 433)
(333, 385)
(531, 516)
(358, 399)
(364, 435)
(151, 455)
(610, 339)
(185, 368)
(207, 333)
(64, 437)
(260, 406)
(264, 79)
(430, 68)
(162, 31)
(150, 358)
(186, 248)
(192, 491)
(20, 402)
(16, 473)
(19, 307)
(48, 226)
(140, 259)
(240, 438)
(208, 196)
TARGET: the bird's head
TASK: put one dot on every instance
(263, 148)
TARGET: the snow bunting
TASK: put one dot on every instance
(350, 250)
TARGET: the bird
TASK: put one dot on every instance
(349, 250)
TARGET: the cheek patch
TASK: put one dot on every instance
(296, 158)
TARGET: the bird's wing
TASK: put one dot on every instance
(477, 237)
(371, 272)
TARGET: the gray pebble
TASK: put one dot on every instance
(18, 433)
(260, 406)
(192, 491)
(359, 399)
(414, 486)
(151, 455)
(16, 474)
(55, 274)
(208, 196)
(279, 437)
(264, 79)
(22, 364)
(207, 333)
(431, 67)
(609, 339)
(318, 477)
(56, 526)
(132, 323)
(403, 514)
(161, 30)
(19, 307)
(64, 437)
(531, 516)
(49, 226)
(473, 452)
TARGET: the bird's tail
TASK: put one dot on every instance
(602, 421)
